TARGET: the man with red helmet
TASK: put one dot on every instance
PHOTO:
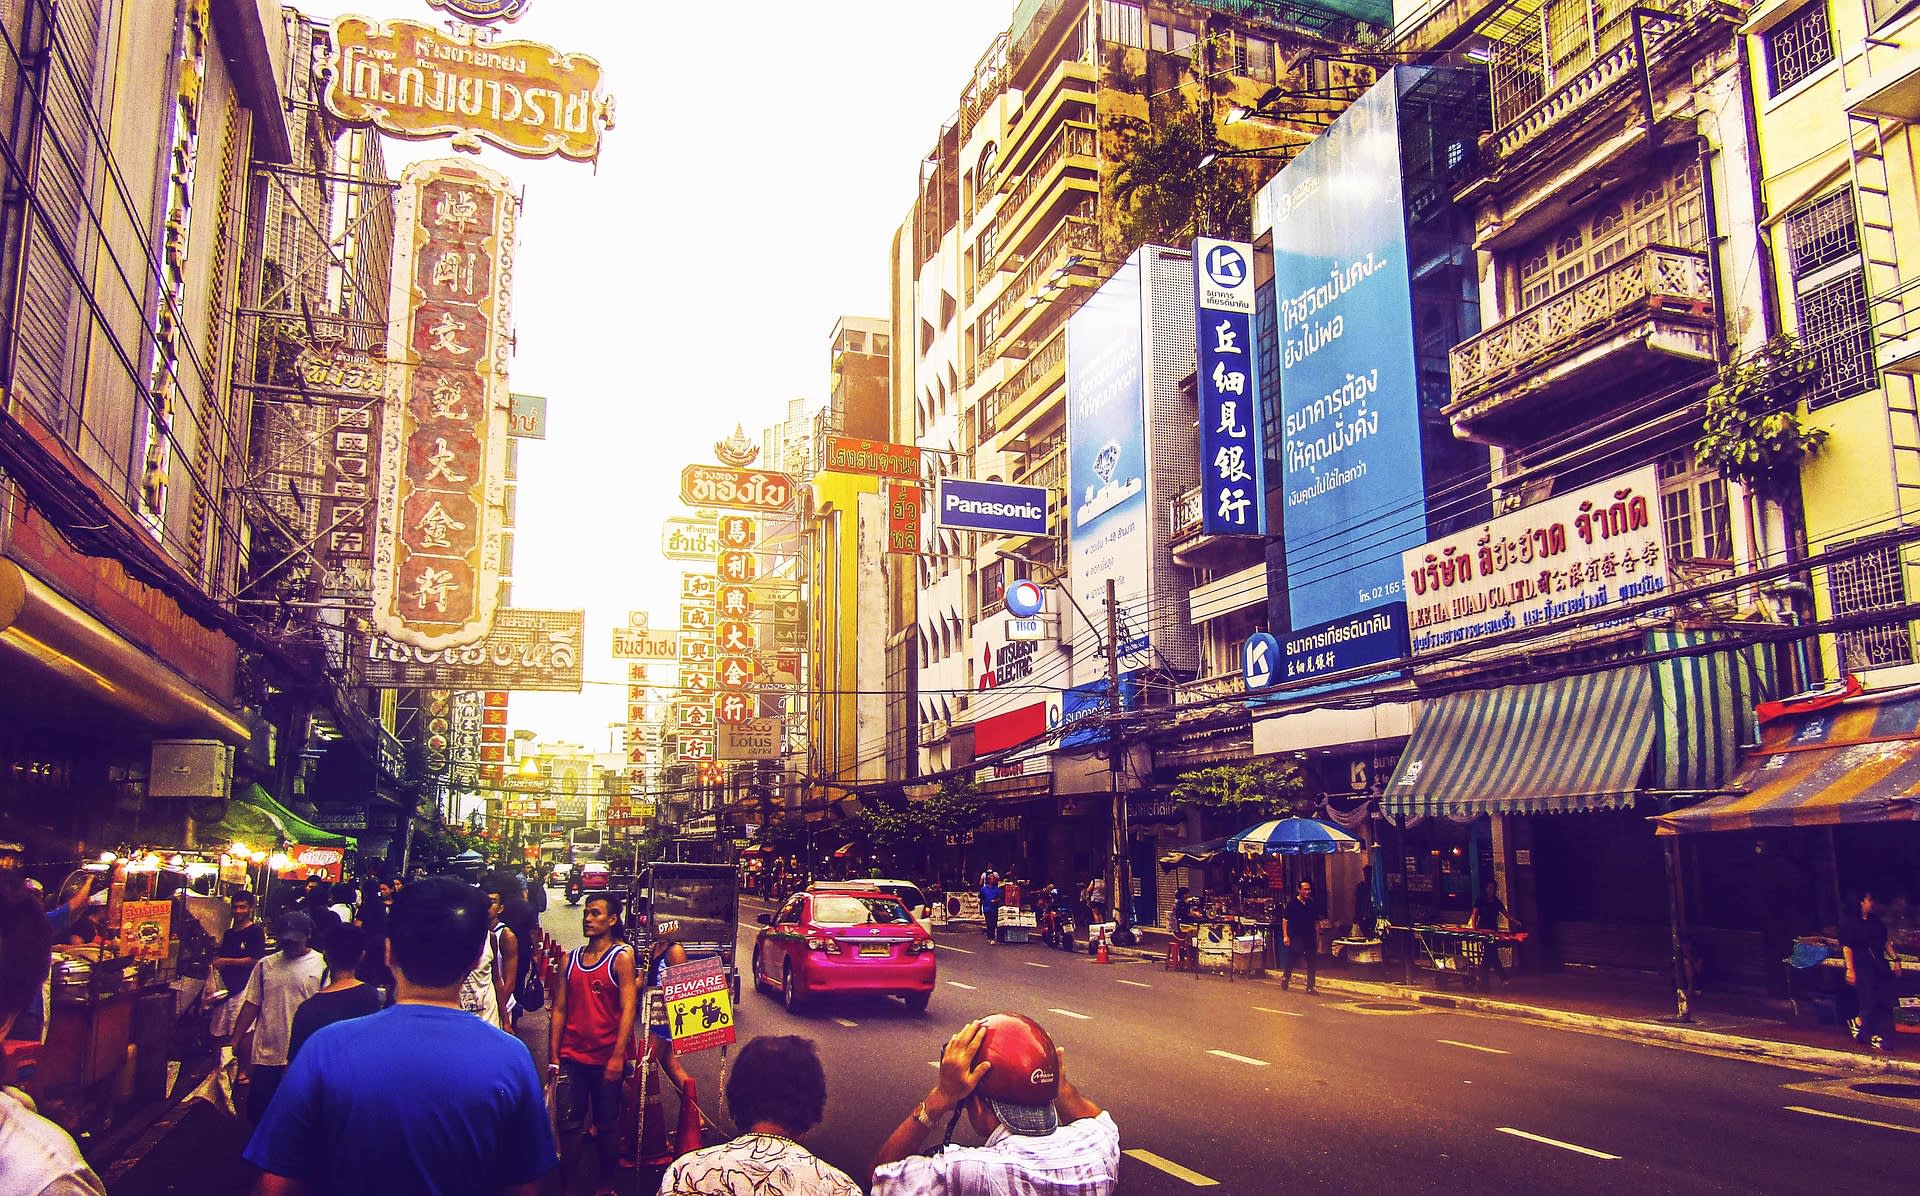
(1043, 1137)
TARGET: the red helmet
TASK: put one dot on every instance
(1026, 1067)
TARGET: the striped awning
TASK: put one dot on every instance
(1858, 761)
(1703, 709)
(1573, 743)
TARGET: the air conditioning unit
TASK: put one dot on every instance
(197, 768)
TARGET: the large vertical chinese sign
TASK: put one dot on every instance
(1233, 486)
(436, 566)
(734, 666)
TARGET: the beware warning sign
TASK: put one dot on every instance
(699, 1008)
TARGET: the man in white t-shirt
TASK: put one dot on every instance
(776, 1092)
(278, 985)
(37, 1158)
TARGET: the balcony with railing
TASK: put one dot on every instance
(1014, 396)
(1183, 515)
(1551, 67)
(1073, 146)
(1047, 467)
(1218, 687)
(1556, 363)
(1050, 268)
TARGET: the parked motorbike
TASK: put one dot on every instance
(1056, 926)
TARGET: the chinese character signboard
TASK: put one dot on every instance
(350, 383)
(904, 503)
(736, 489)
(527, 650)
(419, 82)
(436, 563)
(1232, 479)
(1572, 556)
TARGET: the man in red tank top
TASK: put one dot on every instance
(592, 1024)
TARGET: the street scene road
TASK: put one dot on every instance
(1240, 1085)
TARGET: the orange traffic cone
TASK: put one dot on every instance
(1100, 956)
(688, 1138)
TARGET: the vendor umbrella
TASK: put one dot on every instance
(1292, 836)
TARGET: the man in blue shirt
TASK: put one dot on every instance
(424, 1098)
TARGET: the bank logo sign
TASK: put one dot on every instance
(992, 507)
(1233, 487)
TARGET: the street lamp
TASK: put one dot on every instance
(1285, 153)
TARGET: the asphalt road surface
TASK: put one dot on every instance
(1239, 1085)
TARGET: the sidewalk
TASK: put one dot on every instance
(1624, 1005)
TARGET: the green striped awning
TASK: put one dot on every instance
(1574, 743)
(1704, 708)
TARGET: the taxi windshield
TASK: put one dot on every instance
(846, 910)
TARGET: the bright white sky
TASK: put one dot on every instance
(762, 157)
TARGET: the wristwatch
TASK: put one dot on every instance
(921, 1115)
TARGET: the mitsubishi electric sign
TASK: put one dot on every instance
(992, 507)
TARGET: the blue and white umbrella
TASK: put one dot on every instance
(1292, 836)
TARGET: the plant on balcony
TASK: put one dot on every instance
(1262, 789)
(1754, 433)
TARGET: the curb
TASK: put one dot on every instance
(1760, 1049)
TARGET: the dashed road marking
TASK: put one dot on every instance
(1136, 983)
(1468, 1046)
(1032, 964)
(1281, 1012)
(1085, 1017)
(1884, 1125)
(1172, 1168)
(1246, 1059)
(968, 987)
(847, 1022)
(951, 947)
(1585, 1150)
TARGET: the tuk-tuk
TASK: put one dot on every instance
(700, 901)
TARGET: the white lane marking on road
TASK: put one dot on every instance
(969, 987)
(1281, 1012)
(951, 947)
(1085, 1017)
(1250, 1062)
(1172, 1168)
(1585, 1150)
(1137, 983)
(1468, 1046)
(1885, 1125)
(851, 1025)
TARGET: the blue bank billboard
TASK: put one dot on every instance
(1354, 493)
(1233, 486)
(1108, 527)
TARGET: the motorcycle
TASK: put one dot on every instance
(1056, 926)
(574, 890)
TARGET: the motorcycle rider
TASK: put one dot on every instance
(1042, 1134)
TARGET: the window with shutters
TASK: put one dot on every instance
(1694, 512)
(1666, 209)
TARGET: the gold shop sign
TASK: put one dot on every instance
(415, 81)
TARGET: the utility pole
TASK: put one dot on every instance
(1120, 890)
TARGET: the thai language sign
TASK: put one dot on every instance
(736, 489)
(1354, 494)
(904, 504)
(436, 557)
(689, 539)
(416, 81)
(1233, 489)
(526, 650)
(1571, 557)
(850, 454)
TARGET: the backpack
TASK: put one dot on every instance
(533, 994)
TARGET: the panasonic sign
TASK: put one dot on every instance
(992, 507)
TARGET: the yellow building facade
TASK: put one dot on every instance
(1835, 93)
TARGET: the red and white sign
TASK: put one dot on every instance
(436, 564)
(329, 862)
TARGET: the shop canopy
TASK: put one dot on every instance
(296, 828)
(1193, 855)
(1856, 761)
(1573, 743)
